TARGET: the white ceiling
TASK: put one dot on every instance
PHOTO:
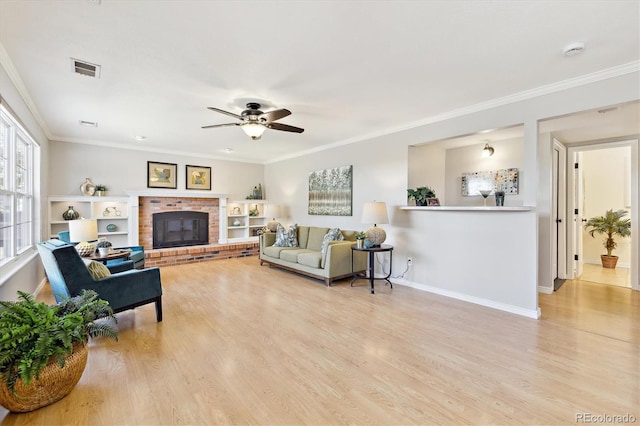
(347, 70)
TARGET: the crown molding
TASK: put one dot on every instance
(594, 77)
(7, 65)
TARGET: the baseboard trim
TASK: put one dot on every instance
(529, 313)
(599, 263)
(40, 287)
(545, 290)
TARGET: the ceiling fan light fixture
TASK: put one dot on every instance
(254, 130)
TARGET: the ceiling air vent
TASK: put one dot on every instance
(88, 123)
(85, 68)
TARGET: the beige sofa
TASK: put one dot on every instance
(307, 258)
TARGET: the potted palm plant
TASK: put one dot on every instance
(611, 224)
(43, 348)
(421, 194)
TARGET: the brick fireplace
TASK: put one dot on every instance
(148, 205)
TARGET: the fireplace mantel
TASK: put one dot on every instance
(161, 192)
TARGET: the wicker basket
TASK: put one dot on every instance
(53, 384)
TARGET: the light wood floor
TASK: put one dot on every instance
(244, 344)
(596, 273)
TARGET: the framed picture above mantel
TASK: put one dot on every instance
(161, 175)
(198, 177)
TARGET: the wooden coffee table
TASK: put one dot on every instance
(113, 254)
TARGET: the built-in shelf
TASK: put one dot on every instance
(469, 208)
(107, 210)
(250, 216)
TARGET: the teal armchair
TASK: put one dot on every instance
(68, 276)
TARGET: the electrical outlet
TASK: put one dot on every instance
(409, 261)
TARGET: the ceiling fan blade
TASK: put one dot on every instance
(284, 127)
(220, 125)
(274, 115)
(221, 111)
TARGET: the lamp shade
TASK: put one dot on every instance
(83, 230)
(375, 212)
(274, 211)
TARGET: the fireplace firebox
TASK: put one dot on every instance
(180, 229)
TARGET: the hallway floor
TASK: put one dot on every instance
(597, 274)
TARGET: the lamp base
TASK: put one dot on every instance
(376, 236)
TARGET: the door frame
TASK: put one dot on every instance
(635, 214)
(559, 210)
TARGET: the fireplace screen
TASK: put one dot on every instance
(180, 229)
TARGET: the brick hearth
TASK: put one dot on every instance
(179, 255)
(176, 256)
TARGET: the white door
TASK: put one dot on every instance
(578, 221)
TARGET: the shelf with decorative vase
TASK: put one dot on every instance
(106, 210)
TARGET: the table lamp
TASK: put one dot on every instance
(375, 212)
(83, 231)
(275, 211)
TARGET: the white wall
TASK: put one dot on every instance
(604, 184)
(467, 159)
(427, 165)
(122, 170)
(381, 171)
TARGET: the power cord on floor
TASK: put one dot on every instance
(401, 276)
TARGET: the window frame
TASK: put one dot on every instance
(18, 186)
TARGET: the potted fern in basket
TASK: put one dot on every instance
(43, 348)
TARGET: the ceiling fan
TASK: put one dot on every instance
(254, 122)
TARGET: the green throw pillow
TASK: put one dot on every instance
(97, 269)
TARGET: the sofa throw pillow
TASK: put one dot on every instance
(334, 234)
(97, 269)
(286, 237)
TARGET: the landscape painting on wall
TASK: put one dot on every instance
(330, 191)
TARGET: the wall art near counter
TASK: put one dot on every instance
(161, 175)
(496, 180)
(330, 191)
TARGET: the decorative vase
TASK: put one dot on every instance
(70, 214)
(87, 188)
(100, 193)
(112, 227)
(359, 243)
(499, 198)
(53, 384)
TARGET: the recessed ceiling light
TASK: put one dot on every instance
(140, 138)
(227, 150)
(573, 49)
(88, 123)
